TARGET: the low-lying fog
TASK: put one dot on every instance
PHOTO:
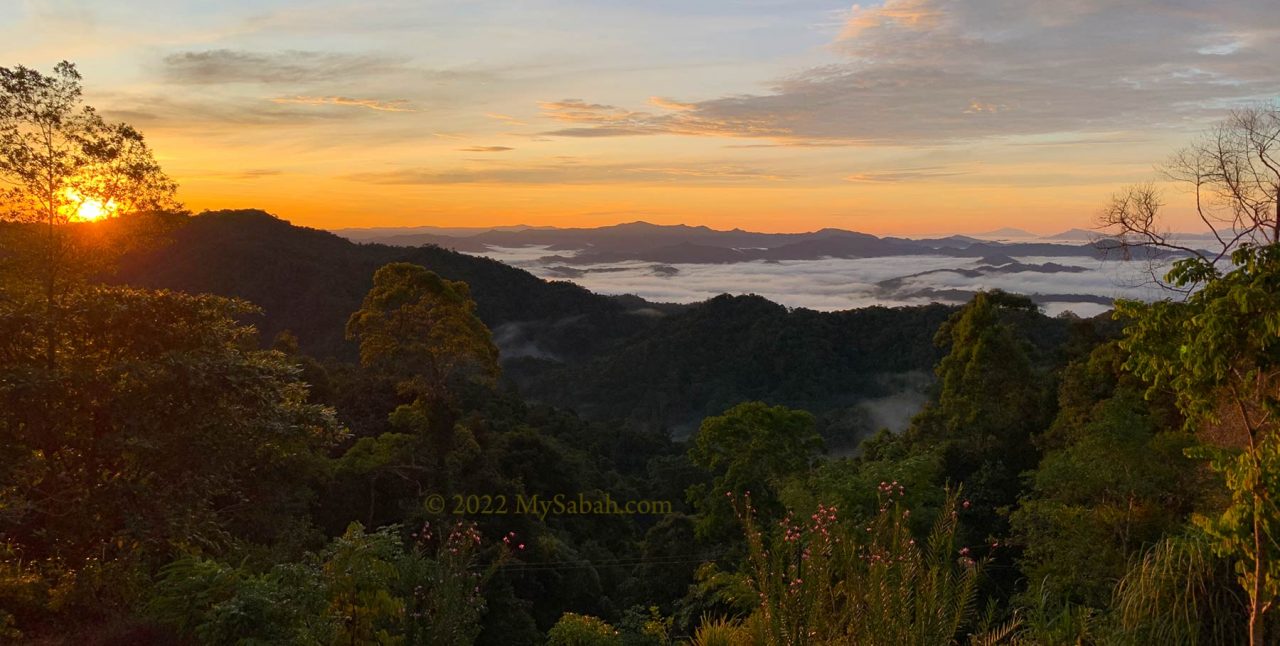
(1080, 285)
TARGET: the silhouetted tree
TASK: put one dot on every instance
(58, 156)
(1234, 173)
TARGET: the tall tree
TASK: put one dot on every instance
(61, 162)
(422, 330)
(750, 450)
(1219, 355)
(419, 332)
(988, 406)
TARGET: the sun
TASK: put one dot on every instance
(88, 209)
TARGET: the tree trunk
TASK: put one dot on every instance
(50, 289)
(1256, 627)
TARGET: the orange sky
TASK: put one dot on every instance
(906, 117)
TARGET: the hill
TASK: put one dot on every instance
(309, 281)
(656, 365)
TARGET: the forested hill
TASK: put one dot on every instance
(609, 358)
(310, 281)
(859, 370)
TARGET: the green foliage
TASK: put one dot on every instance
(364, 588)
(1116, 486)
(705, 358)
(989, 398)
(1248, 530)
(219, 604)
(422, 330)
(154, 429)
(1047, 621)
(582, 630)
(989, 404)
(751, 448)
(1219, 354)
(1223, 338)
(645, 627)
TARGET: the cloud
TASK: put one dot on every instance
(937, 71)
(669, 104)
(904, 174)
(508, 119)
(914, 15)
(219, 66)
(486, 149)
(256, 173)
(395, 105)
(162, 110)
(569, 172)
(601, 120)
(845, 283)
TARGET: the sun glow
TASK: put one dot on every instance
(88, 209)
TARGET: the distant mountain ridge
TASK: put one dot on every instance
(674, 244)
(1007, 232)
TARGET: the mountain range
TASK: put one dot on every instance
(683, 244)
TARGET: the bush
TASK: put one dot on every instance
(582, 630)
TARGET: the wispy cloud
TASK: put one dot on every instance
(240, 175)
(568, 172)
(601, 120)
(508, 119)
(395, 105)
(486, 149)
(163, 111)
(904, 174)
(257, 173)
(671, 104)
(218, 66)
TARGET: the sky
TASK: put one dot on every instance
(901, 117)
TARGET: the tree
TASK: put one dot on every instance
(363, 588)
(1233, 171)
(61, 162)
(1219, 354)
(422, 330)
(749, 449)
(158, 429)
(988, 405)
(988, 395)
(1115, 482)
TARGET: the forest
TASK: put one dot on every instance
(220, 428)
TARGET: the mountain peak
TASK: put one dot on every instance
(1006, 232)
